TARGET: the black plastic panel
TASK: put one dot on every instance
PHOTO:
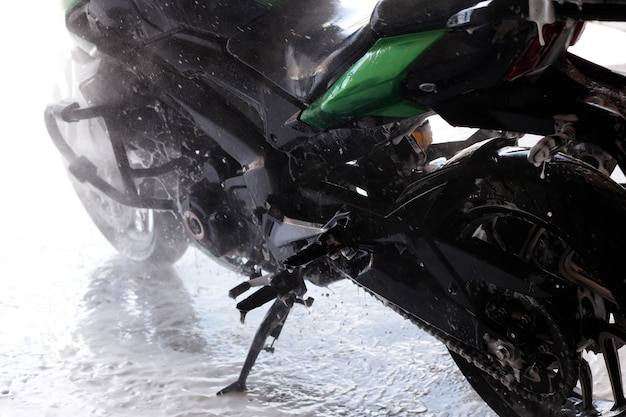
(396, 17)
(303, 45)
(218, 18)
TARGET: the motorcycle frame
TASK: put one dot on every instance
(253, 137)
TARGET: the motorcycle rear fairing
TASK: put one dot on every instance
(594, 98)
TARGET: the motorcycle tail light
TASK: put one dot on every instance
(537, 51)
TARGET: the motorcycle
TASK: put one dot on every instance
(290, 141)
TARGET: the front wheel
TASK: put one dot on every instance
(131, 139)
(138, 234)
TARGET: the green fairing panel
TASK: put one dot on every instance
(371, 87)
(69, 4)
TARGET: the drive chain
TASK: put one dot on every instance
(489, 365)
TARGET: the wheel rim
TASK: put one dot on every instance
(534, 243)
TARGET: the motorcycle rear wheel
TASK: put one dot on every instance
(565, 222)
(521, 235)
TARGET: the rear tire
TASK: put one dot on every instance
(497, 217)
(554, 325)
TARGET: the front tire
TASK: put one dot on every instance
(143, 235)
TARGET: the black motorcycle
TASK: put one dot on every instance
(290, 140)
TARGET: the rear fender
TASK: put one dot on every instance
(573, 88)
(577, 202)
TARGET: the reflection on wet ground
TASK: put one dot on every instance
(121, 339)
(140, 343)
(132, 306)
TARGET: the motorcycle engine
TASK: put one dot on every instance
(209, 221)
(212, 208)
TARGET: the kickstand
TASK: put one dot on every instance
(271, 326)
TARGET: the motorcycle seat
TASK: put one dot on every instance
(398, 17)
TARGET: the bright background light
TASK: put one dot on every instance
(34, 187)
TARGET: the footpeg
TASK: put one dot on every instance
(256, 300)
(245, 286)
